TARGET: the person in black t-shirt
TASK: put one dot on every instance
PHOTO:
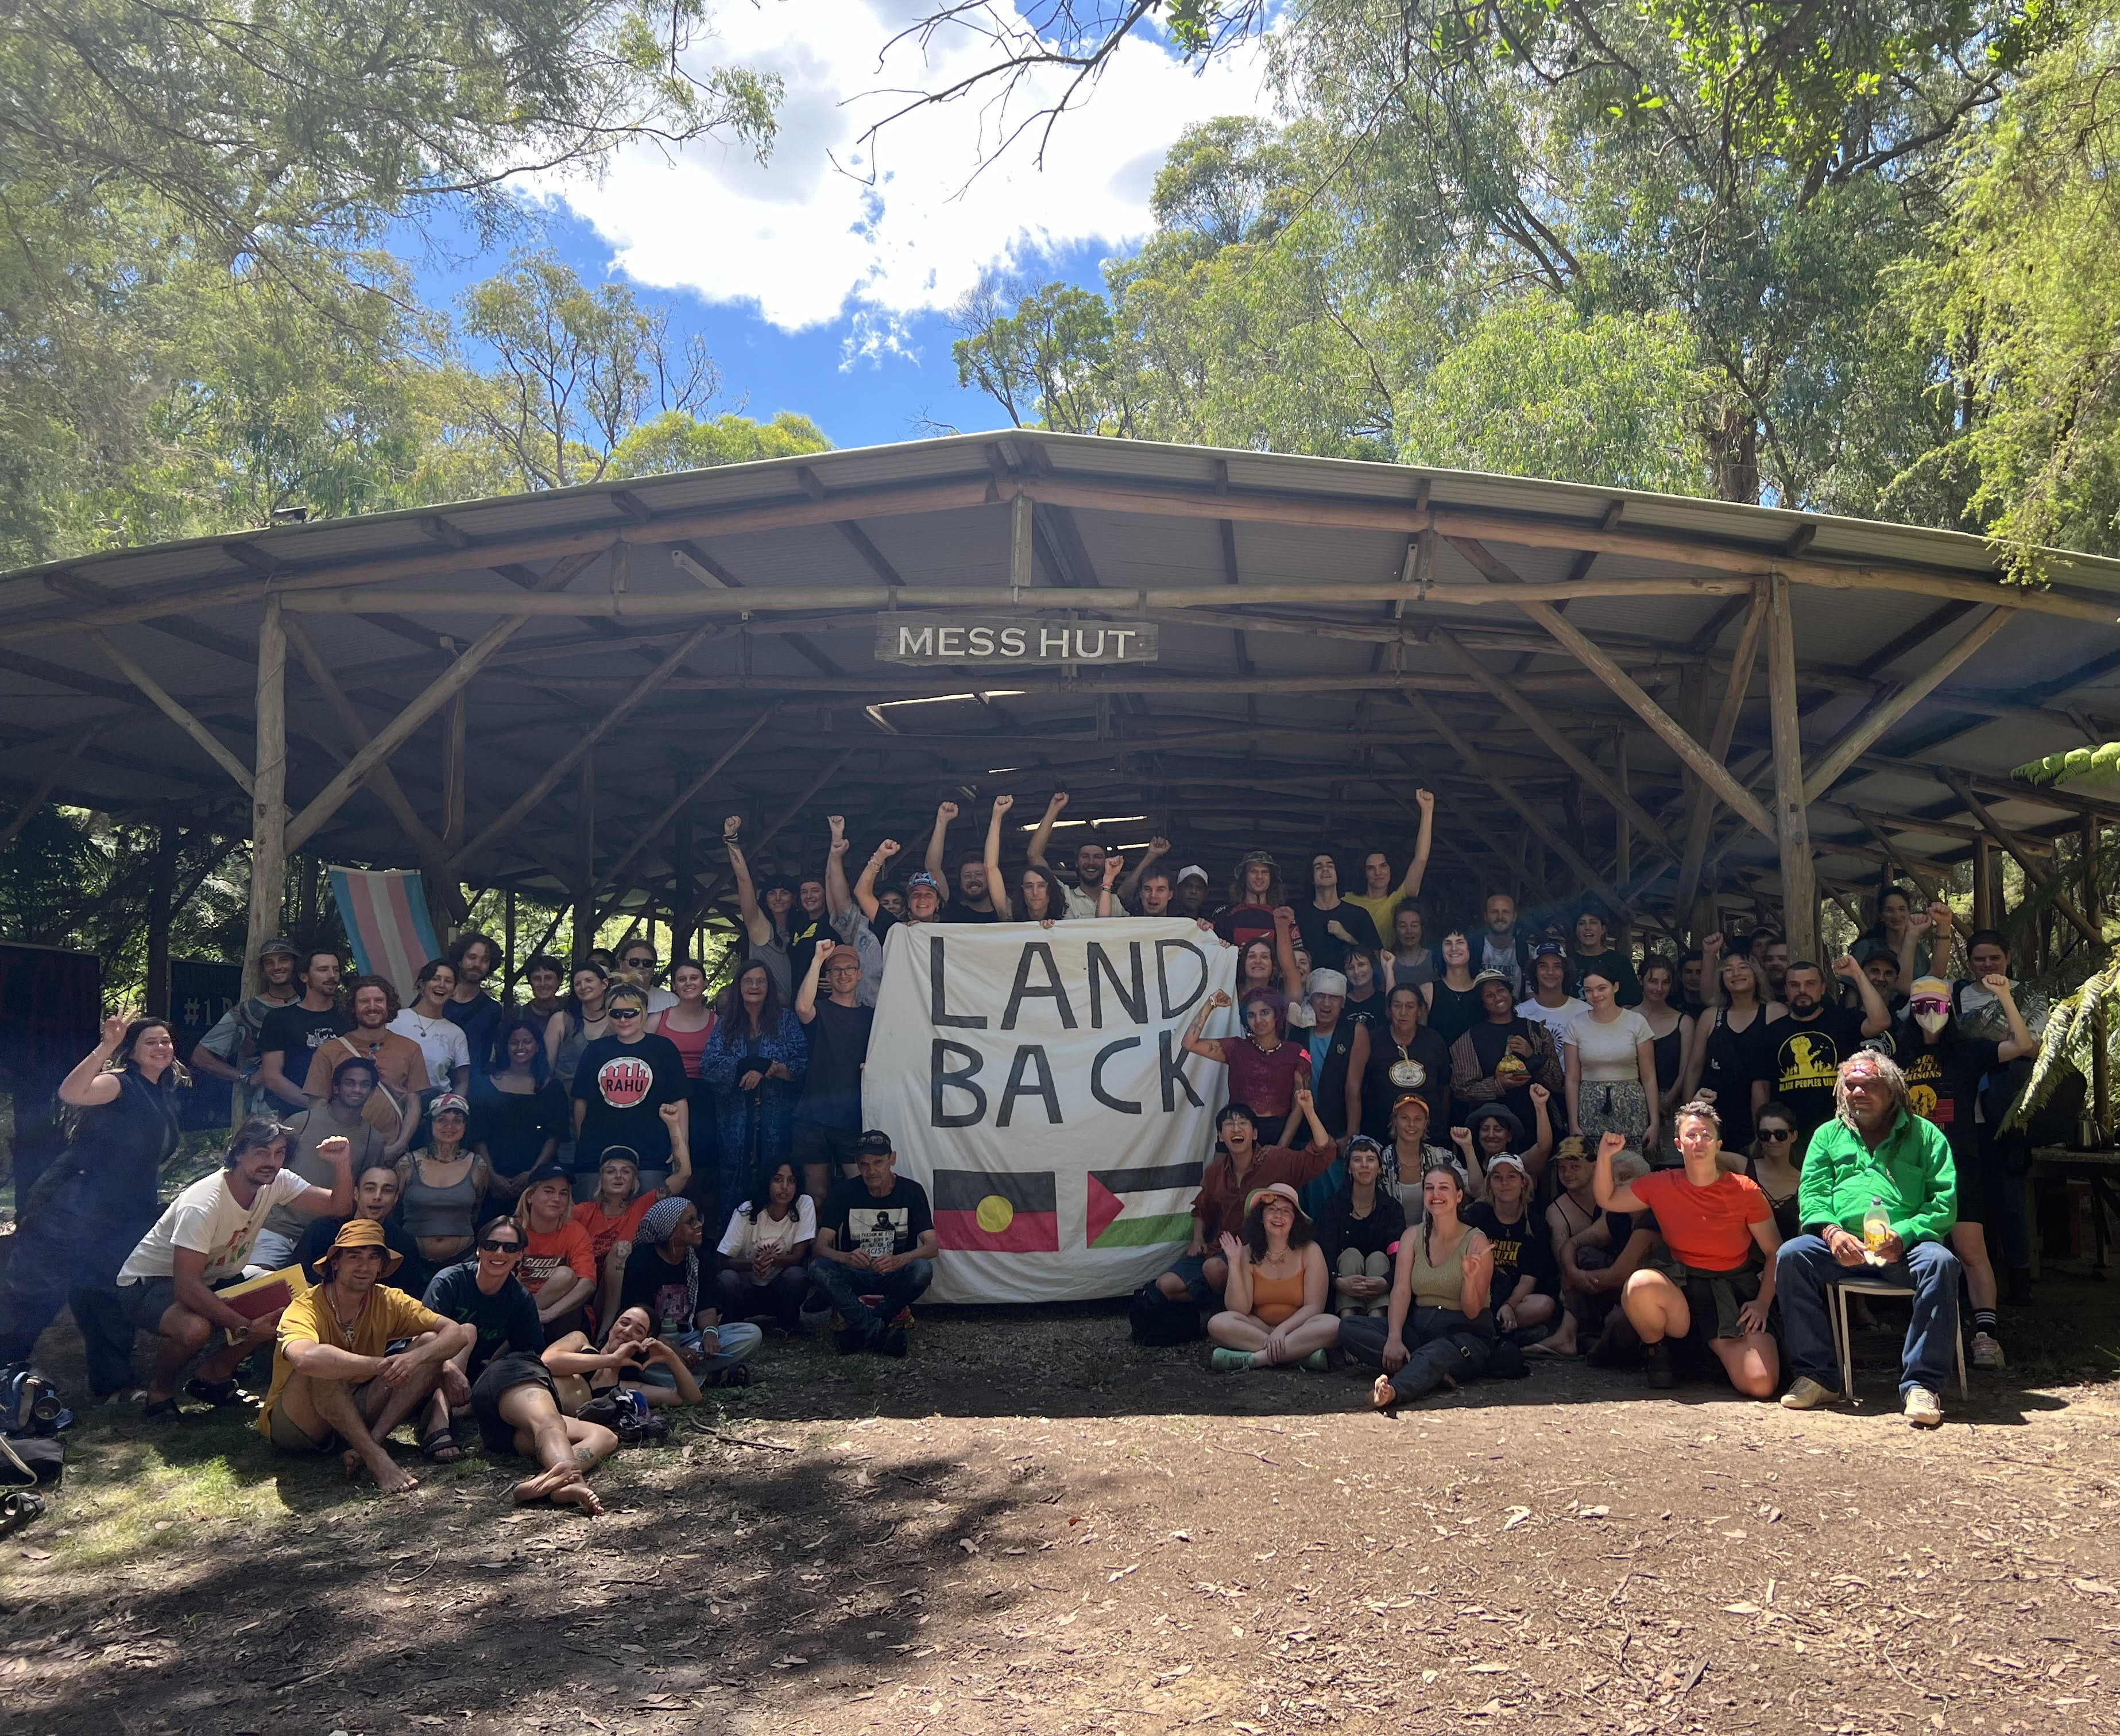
(483, 1292)
(469, 1008)
(1330, 925)
(969, 902)
(874, 1237)
(1805, 1050)
(827, 1114)
(1525, 1294)
(290, 1036)
(620, 1084)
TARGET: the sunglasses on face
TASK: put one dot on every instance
(626, 1012)
(501, 1247)
(641, 964)
(1778, 1133)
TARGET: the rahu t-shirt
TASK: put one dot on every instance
(623, 1085)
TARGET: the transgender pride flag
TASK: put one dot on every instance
(385, 913)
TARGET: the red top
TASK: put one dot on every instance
(606, 1233)
(1267, 1083)
(690, 1045)
(1220, 1206)
(1709, 1227)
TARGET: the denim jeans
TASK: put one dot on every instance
(739, 1341)
(782, 1298)
(1439, 1342)
(1930, 1271)
(846, 1285)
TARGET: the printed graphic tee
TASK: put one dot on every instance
(623, 1085)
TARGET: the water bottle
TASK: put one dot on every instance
(1876, 1226)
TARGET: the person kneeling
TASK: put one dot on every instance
(1712, 1287)
(1275, 1298)
(877, 1239)
(334, 1382)
(1440, 1329)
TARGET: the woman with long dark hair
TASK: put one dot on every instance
(753, 1063)
(1731, 1057)
(578, 1024)
(517, 1114)
(86, 1212)
(1453, 998)
(765, 1250)
(1275, 1302)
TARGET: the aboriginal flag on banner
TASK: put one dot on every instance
(1139, 1207)
(1015, 1213)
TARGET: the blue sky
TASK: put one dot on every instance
(821, 278)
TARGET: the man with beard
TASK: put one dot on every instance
(291, 1035)
(1330, 925)
(1501, 948)
(1080, 900)
(969, 902)
(1807, 1047)
(469, 1008)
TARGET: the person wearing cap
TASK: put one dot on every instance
(558, 1262)
(1501, 1057)
(392, 1107)
(923, 895)
(1242, 1164)
(1358, 1227)
(1255, 894)
(1525, 1290)
(623, 1082)
(1275, 1301)
(1190, 899)
(202, 1244)
(229, 1051)
(1330, 925)
(1549, 1002)
(876, 1248)
(443, 1186)
(1080, 900)
(1378, 898)
(661, 1274)
(1339, 1055)
(1439, 1327)
(1944, 1068)
(337, 1117)
(290, 1034)
(970, 903)
(623, 1199)
(336, 1382)
(1492, 1130)
(769, 930)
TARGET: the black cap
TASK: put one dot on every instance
(547, 1172)
(876, 1142)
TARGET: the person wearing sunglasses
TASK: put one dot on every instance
(1774, 1162)
(620, 1084)
(483, 1292)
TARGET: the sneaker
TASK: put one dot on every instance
(1808, 1395)
(1986, 1354)
(890, 1342)
(1315, 1361)
(1662, 1375)
(1924, 1409)
(223, 1395)
(1225, 1360)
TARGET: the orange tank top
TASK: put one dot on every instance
(1274, 1299)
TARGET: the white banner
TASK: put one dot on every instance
(1034, 1082)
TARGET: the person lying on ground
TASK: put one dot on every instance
(1440, 1330)
(764, 1252)
(202, 1243)
(518, 1406)
(632, 1359)
(1874, 1153)
(336, 1382)
(662, 1275)
(1712, 1285)
(876, 1240)
(1357, 1229)
(1526, 1293)
(1239, 1166)
(1275, 1301)
(484, 1293)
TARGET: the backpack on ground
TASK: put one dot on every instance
(1155, 1319)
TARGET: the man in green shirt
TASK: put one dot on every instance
(1876, 1151)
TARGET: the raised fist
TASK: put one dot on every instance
(1610, 1146)
(1003, 804)
(946, 811)
(1426, 798)
(1059, 800)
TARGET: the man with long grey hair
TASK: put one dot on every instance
(1878, 1198)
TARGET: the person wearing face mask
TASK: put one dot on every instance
(1526, 1283)
(1944, 1069)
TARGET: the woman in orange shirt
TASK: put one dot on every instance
(559, 1266)
(1274, 1303)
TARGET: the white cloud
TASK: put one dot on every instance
(808, 241)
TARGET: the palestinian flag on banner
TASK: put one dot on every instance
(1139, 1207)
(1011, 1214)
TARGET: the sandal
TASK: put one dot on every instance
(737, 1375)
(442, 1447)
(162, 1410)
(222, 1394)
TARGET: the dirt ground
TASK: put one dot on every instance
(1032, 1525)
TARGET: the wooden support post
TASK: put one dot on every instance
(268, 792)
(1792, 819)
(1978, 810)
(1700, 813)
(1623, 840)
(161, 886)
(1021, 552)
(2101, 1084)
(1983, 885)
(453, 772)
(508, 951)
(585, 893)
(2087, 847)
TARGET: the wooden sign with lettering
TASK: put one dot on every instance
(989, 640)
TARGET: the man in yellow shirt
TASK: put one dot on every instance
(334, 1383)
(1378, 898)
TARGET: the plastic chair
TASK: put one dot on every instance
(1837, 1294)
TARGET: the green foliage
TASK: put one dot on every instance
(2070, 1041)
(2102, 761)
(677, 441)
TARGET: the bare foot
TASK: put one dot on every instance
(392, 1478)
(1383, 1395)
(351, 1461)
(537, 1487)
(578, 1494)
(1554, 1345)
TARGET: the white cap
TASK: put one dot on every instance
(1323, 982)
(1195, 871)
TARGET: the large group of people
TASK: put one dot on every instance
(1437, 1157)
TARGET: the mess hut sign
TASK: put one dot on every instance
(1034, 1081)
(1010, 640)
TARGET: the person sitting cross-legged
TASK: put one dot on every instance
(1440, 1328)
(1358, 1227)
(877, 1238)
(1526, 1283)
(1874, 1150)
(1275, 1298)
(662, 1275)
(335, 1381)
(1711, 1286)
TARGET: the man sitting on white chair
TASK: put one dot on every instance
(1875, 1149)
